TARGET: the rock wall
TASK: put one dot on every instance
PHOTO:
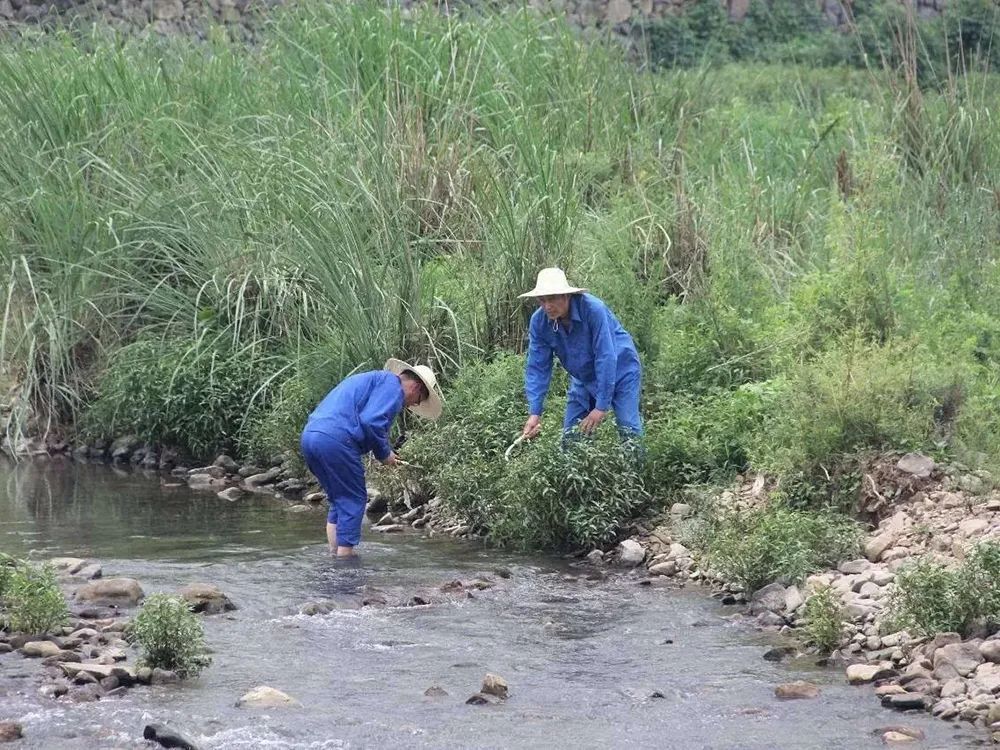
(192, 16)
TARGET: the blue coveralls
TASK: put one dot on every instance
(599, 356)
(351, 420)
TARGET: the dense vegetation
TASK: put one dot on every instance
(201, 239)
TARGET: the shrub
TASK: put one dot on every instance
(176, 393)
(32, 598)
(756, 547)
(932, 598)
(823, 627)
(170, 636)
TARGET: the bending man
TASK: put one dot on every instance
(352, 420)
(595, 350)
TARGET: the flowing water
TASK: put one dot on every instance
(582, 657)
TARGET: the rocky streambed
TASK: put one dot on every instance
(396, 650)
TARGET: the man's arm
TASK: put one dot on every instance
(537, 375)
(384, 402)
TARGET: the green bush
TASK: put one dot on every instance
(932, 598)
(823, 626)
(757, 547)
(851, 398)
(176, 393)
(170, 636)
(544, 497)
(32, 599)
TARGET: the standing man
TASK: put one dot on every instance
(352, 420)
(595, 350)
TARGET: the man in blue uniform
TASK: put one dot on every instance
(595, 350)
(352, 420)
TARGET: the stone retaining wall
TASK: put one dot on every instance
(192, 16)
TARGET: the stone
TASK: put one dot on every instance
(990, 650)
(905, 701)
(10, 731)
(631, 553)
(858, 674)
(953, 688)
(964, 657)
(111, 591)
(263, 696)
(793, 599)
(854, 567)
(877, 546)
(892, 736)
(67, 565)
(778, 653)
(973, 526)
(771, 598)
(164, 677)
(167, 737)
(796, 690)
(90, 572)
(206, 598)
(256, 480)
(680, 510)
(40, 649)
(436, 692)
(494, 685)
(480, 699)
(917, 464)
(232, 494)
(85, 693)
(667, 568)
(618, 11)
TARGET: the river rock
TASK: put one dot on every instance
(858, 674)
(265, 477)
(164, 677)
(631, 553)
(206, 598)
(666, 568)
(854, 567)
(167, 737)
(877, 546)
(796, 690)
(771, 598)
(963, 657)
(917, 464)
(40, 649)
(595, 557)
(905, 701)
(990, 650)
(111, 591)
(10, 731)
(495, 685)
(232, 494)
(481, 699)
(436, 692)
(263, 696)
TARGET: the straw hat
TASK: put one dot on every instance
(429, 408)
(551, 281)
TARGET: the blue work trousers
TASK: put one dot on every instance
(335, 460)
(625, 404)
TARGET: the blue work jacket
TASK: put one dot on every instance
(593, 348)
(363, 406)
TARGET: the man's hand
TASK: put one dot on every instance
(532, 427)
(391, 459)
(589, 423)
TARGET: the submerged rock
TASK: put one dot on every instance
(10, 731)
(167, 737)
(206, 598)
(796, 690)
(263, 696)
(111, 591)
(436, 692)
(481, 699)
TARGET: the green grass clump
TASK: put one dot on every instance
(755, 547)
(170, 636)
(931, 598)
(32, 600)
(823, 626)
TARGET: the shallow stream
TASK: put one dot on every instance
(582, 657)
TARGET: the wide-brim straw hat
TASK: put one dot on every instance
(430, 407)
(550, 282)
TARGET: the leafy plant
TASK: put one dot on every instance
(170, 636)
(757, 547)
(823, 626)
(32, 599)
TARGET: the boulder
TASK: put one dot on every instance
(10, 731)
(111, 592)
(917, 464)
(631, 553)
(990, 650)
(964, 657)
(232, 494)
(495, 685)
(206, 598)
(771, 598)
(263, 696)
(877, 546)
(167, 737)
(40, 649)
(436, 692)
(796, 690)
(667, 568)
(858, 674)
